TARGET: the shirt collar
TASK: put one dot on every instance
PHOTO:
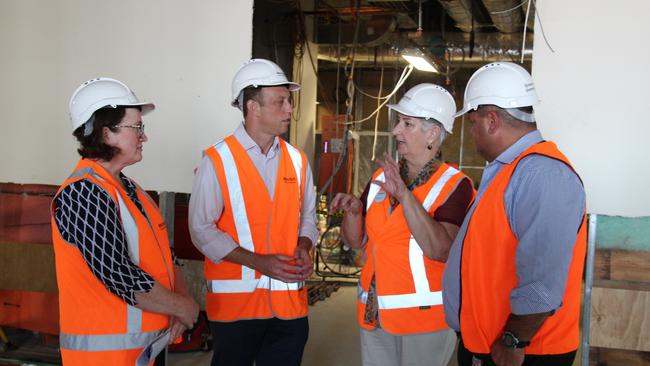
(519, 147)
(248, 143)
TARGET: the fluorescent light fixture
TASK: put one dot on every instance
(418, 59)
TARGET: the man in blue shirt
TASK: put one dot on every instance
(512, 280)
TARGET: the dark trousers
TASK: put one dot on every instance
(565, 359)
(267, 342)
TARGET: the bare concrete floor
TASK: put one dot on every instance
(333, 335)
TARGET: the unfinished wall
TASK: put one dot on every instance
(594, 91)
(179, 55)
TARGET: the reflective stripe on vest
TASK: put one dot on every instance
(296, 160)
(422, 296)
(402, 301)
(241, 286)
(107, 342)
(248, 283)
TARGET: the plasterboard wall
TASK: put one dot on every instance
(181, 55)
(594, 91)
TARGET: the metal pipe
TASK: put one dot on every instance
(419, 30)
(589, 280)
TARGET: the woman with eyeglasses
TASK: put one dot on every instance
(120, 290)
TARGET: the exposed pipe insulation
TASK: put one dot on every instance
(505, 21)
(459, 11)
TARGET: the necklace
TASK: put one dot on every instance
(425, 173)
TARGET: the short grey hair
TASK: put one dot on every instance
(432, 122)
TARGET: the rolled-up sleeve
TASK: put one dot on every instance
(206, 207)
(308, 210)
(545, 203)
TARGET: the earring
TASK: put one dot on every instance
(429, 147)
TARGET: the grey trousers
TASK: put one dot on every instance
(380, 348)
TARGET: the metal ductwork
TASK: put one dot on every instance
(373, 31)
(505, 21)
(489, 47)
(460, 11)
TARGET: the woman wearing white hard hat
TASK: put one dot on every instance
(119, 290)
(410, 214)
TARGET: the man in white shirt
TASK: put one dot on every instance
(252, 214)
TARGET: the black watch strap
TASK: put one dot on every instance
(510, 340)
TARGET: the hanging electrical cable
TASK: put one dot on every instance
(405, 74)
(381, 88)
(523, 41)
(349, 102)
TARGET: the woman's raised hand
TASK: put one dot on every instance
(346, 202)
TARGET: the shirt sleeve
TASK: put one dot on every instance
(88, 218)
(454, 209)
(545, 204)
(205, 208)
(308, 211)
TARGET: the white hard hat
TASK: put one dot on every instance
(98, 93)
(504, 84)
(428, 101)
(259, 72)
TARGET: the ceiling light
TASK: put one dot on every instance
(419, 60)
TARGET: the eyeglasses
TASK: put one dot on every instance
(139, 127)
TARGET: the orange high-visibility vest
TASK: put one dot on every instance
(97, 327)
(488, 273)
(408, 283)
(258, 225)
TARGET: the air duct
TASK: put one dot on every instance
(460, 11)
(506, 15)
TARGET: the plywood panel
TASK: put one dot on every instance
(630, 266)
(27, 267)
(622, 265)
(620, 319)
(615, 357)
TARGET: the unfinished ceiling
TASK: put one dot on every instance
(462, 33)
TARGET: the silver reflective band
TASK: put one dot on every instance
(409, 300)
(361, 295)
(107, 342)
(296, 160)
(244, 235)
(373, 190)
(403, 301)
(249, 286)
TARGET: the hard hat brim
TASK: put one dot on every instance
(461, 112)
(399, 109)
(290, 85)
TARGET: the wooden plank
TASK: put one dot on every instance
(602, 264)
(27, 267)
(615, 357)
(626, 285)
(622, 265)
(627, 265)
(620, 319)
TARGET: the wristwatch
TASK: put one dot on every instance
(510, 340)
